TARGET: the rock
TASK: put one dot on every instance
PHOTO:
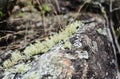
(92, 58)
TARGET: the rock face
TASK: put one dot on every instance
(90, 56)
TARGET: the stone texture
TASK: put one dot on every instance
(91, 56)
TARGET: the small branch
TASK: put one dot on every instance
(9, 35)
(115, 9)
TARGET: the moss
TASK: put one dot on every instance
(46, 7)
(21, 14)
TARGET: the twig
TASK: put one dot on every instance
(79, 10)
(112, 29)
(115, 9)
(37, 2)
(115, 42)
(43, 21)
(26, 32)
(8, 35)
(6, 31)
(57, 4)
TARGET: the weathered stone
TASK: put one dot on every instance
(90, 56)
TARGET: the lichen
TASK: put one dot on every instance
(67, 45)
(15, 57)
(41, 47)
(94, 46)
(32, 75)
(102, 31)
(22, 68)
(82, 54)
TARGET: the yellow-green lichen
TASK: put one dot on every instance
(67, 44)
(22, 68)
(15, 57)
(33, 75)
(102, 31)
(41, 47)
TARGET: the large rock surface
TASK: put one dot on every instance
(90, 56)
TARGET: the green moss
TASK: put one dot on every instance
(21, 14)
(46, 7)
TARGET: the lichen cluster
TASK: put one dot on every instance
(15, 57)
(44, 46)
(55, 64)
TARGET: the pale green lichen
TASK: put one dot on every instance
(41, 47)
(69, 56)
(94, 46)
(53, 63)
(15, 57)
(67, 45)
(21, 68)
(102, 31)
(6, 75)
(8, 63)
(33, 75)
(82, 54)
(36, 57)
